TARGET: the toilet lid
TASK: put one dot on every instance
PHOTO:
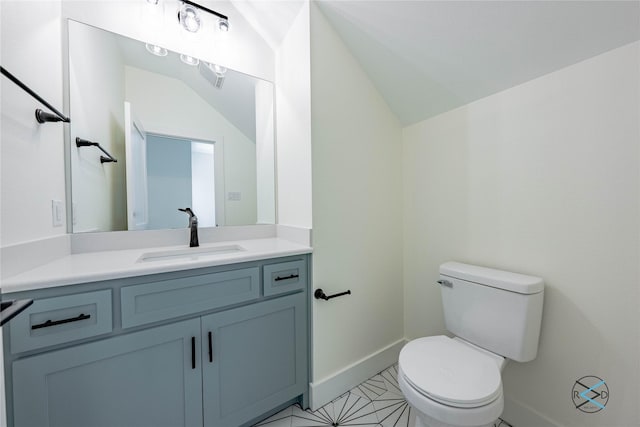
(450, 372)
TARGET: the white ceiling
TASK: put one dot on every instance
(271, 19)
(428, 57)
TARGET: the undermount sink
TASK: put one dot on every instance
(192, 254)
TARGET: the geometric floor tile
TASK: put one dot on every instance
(347, 410)
(377, 402)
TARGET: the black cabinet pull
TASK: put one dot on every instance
(210, 348)
(50, 322)
(291, 276)
(193, 352)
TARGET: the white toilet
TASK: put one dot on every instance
(495, 315)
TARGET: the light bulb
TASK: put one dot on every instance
(156, 50)
(189, 18)
(218, 69)
(223, 25)
(189, 60)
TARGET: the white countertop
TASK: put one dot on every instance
(106, 265)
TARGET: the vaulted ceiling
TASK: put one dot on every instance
(428, 57)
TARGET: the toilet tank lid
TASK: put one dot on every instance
(514, 282)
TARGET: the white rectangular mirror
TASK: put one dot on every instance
(185, 133)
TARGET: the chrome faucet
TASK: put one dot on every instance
(193, 226)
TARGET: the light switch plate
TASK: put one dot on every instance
(74, 209)
(234, 196)
(57, 213)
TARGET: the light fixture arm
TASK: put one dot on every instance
(213, 12)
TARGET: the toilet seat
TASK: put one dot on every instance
(435, 414)
(450, 372)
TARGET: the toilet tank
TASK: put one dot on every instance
(493, 309)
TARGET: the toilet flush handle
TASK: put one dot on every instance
(446, 283)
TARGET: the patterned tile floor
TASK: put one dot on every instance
(377, 402)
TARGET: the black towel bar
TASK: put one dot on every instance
(41, 116)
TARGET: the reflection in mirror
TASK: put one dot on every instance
(186, 133)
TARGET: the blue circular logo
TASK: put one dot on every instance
(590, 394)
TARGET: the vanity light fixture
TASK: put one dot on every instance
(213, 73)
(190, 19)
(189, 60)
(156, 50)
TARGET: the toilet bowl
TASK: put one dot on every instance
(494, 315)
(451, 383)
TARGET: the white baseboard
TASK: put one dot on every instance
(327, 389)
(520, 415)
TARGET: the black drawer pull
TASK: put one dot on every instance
(193, 352)
(210, 348)
(50, 322)
(291, 276)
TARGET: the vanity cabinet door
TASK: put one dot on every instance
(143, 379)
(254, 359)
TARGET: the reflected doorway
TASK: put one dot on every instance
(183, 172)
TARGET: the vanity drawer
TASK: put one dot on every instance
(284, 277)
(166, 299)
(52, 321)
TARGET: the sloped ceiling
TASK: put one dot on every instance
(428, 57)
(269, 18)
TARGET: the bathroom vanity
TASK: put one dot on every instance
(219, 345)
(129, 326)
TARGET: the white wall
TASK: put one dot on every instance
(202, 175)
(541, 179)
(96, 92)
(357, 211)
(293, 124)
(32, 155)
(265, 153)
(178, 111)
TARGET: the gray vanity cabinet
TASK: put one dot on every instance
(214, 347)
(254, 358)
(140, 379)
